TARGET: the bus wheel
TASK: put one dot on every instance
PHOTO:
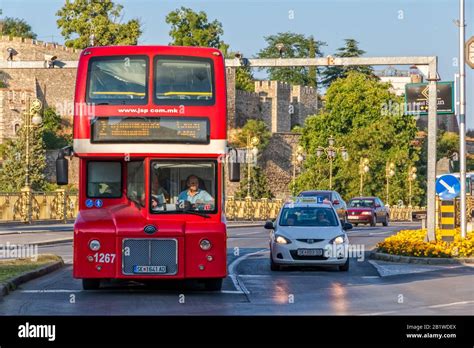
(214, 284)
(91, 284)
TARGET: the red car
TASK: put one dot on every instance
(367, 210)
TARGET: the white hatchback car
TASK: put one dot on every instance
(306, 233)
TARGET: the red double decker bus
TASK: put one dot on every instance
(149, 132)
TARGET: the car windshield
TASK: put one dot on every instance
(183, 186)
(308, 216)
(361, 203)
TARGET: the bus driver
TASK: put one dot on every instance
(194, 194)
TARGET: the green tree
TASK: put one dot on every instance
(354, 116)
(258, 184)
(80, 19)
(13, 171)
(252, 128)
(16, 27)
(351, 49)
(294, 46)
(53, 135)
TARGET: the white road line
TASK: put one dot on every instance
(450, 304)
(243, 234)
(233, 276)
(48, 291)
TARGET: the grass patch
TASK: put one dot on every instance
(12, 268)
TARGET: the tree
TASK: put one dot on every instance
(351, 49)
(16, 27)
(294, 46)
(253, 128)
(79, 19)
(13, 171)
(53, 135)
(354, 117)
(258, 184)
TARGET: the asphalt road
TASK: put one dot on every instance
(252, 289)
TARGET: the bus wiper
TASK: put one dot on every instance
(103, 103)
(196, 213)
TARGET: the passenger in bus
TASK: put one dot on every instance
(159, 196)
(194, 195)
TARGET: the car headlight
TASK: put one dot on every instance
(94, 245)
(282, 240)
(366, 213)
(205, 244)
(338, 240)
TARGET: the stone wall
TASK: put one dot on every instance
(247, 106)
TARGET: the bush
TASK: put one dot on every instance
(411, 243)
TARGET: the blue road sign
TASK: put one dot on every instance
(89, 203)
(99, 203)
(448, 187)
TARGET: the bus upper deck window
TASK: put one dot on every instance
(104, 180)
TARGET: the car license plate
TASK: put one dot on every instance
(353, 217)
(149, 269)
(309, 252)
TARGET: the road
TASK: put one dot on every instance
(252, 289)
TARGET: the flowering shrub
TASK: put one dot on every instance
(411, 243)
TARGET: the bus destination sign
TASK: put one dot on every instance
(150, 130)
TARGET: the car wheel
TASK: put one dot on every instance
(385, 222)
(273, 265)
(373, 222)
(91, 284)
(344, 267)
(214, 284)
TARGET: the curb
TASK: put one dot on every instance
(374, 255)
(12, 284)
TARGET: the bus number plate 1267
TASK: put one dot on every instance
(149, 269)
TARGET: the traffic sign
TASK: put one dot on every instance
(448, 187)
(469, 51)
(417, 96)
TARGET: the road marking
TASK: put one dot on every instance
(370, 277)
(450, 304)
(48, 291)
(233, 276)
(244, 234)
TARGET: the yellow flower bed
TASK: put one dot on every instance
(410, 243)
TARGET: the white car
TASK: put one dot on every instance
(306, 233)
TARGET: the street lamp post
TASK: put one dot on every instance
(411, 178)
(297, 158)
(32, 119)
(252, 152)
(331, 153)
(363, 169)
(389, 172)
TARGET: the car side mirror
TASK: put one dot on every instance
(269, 225)
(62, 166)
(347, 226)
(234, 166)
(336, 202)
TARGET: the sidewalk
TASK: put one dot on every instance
(48, 234)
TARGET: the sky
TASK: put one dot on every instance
(382, 27)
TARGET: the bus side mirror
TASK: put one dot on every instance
(62, 166)
(234, 166)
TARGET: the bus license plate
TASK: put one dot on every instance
(309, 252)
(149, 269)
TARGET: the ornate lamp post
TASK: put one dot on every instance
(389, 172)
(411, 178)
(331, 152)
(297, 158)
(363, 170)
(252, 152)
(32, 119)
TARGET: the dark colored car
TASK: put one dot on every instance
(332, 196)
(367, 210)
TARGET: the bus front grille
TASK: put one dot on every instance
(149, 256)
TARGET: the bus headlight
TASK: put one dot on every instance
(94, 245)
(205, 244)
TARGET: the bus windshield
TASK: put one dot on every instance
(183, 186)
(117, 80)
(186, 81)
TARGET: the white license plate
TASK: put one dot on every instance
(149, 269)
(353, 217)
(309, 252)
